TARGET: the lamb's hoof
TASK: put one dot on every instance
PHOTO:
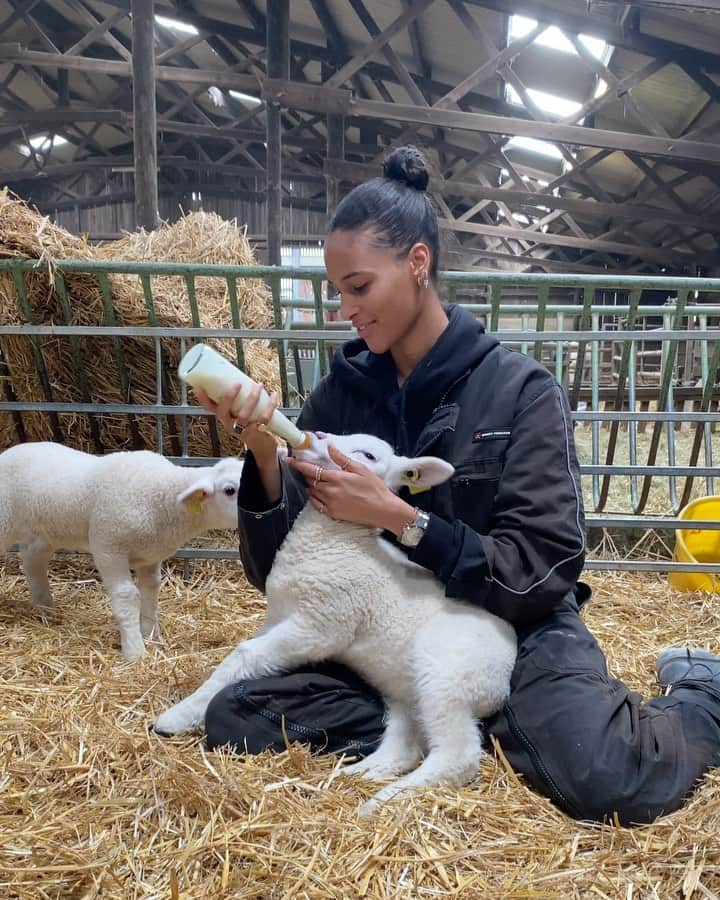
(173, 722)
(369, 809)
(149, 630)
(132, 651)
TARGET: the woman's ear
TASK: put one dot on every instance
(420, 260)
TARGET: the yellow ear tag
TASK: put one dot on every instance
(413, 475)
(194, 504)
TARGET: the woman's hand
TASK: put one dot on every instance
(354, 494)
(254, 435)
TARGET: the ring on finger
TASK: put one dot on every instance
(318, 476)
(322, 507)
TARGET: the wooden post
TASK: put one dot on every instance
(144, 114)
(278, 66)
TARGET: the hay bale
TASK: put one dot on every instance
(196, 238)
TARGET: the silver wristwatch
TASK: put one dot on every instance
(413, 532)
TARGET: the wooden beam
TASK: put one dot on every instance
(555, 12)
(402, 74)
(63, 170)
(680, 5)
(336, 153)
(144, 115)
(278, 66)
(562, 240)
(635, 212)
(175, 193)
(416, 42)
(59, 115)
(118, 68)
(378, 42)
(309, 97)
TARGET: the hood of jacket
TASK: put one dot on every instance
(458, 350)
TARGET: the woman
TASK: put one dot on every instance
(508, 534)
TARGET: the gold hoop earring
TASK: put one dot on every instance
(422, 279)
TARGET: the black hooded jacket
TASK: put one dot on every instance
(507, 530)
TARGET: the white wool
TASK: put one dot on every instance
(335, 592)
(130, 510)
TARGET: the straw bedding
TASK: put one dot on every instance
(92, 805)
(195, 238)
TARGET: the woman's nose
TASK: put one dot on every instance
(347, 307)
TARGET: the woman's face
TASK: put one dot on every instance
(378, 287)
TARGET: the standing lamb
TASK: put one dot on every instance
(130, 510)
(338, 591)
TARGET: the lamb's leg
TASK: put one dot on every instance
(125, 601)
(148, 582)
(454, 742)
(399, 749)
(283, 646)
(36, 555)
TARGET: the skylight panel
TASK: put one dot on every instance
(43, 143)
(549, 103)
(176, 25)
(554, 38)
(533, 145)
(248, 99)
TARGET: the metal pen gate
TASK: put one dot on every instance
(638, 356)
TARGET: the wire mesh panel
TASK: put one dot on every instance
(638, 357)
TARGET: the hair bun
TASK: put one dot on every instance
(407, 165)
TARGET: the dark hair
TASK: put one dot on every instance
(395, 207)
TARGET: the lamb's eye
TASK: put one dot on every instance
(369, 456)
(230, 491)
(412, 474)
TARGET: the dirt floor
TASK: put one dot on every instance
(93, 805)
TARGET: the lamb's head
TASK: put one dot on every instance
(417, 473)
(214, 493)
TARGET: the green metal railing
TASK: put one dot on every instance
(642, 376)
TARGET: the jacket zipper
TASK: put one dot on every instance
(554, 791)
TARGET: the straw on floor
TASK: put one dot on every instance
(93, 805)
(195, 238)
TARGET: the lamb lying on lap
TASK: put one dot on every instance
(130, 510)
(336, 591)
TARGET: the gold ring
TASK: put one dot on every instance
(318, 476)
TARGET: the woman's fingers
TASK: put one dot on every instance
(204, 400)
(264, 419)
(247, 410)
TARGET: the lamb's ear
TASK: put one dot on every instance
(198, 491)
(419, 473)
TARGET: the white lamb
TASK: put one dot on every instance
(130, 510)
(338, 591)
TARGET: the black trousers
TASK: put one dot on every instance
(578, 736)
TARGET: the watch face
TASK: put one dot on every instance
(411, 535)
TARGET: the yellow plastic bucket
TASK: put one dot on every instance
(695, 545)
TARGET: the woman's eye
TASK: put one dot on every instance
(358, 288)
